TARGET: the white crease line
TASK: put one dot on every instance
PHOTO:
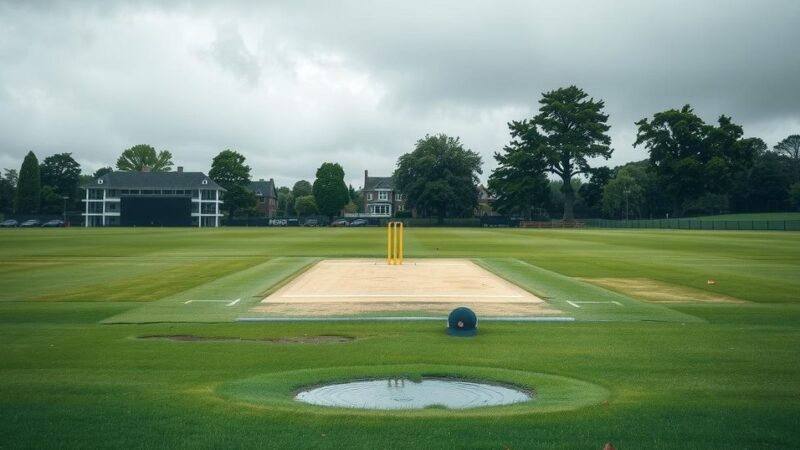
(206, 301)
(233, 302)
(398, 296)
(575, 304)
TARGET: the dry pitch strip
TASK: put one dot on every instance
(397, 289)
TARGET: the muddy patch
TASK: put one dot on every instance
(321, 339)
(660, 292)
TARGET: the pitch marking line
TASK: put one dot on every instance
(578, 304)
(213, 301)
(395, 296)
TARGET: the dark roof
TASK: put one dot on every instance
(263, 188)
(155, 180)
(372, 183)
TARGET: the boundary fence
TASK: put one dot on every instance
(696, 224)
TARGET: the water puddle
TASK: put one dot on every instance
(392, 394)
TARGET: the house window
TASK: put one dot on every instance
(381, 210)
(383, 195)
(398, 196)
(369, 196)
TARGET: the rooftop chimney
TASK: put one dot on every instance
(180, 169)
(146, 169)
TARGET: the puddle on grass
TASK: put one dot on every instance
(393, 394)
(322, 339)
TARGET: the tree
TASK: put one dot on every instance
(439, 177)
(301, 189)
(285, 201)
(228, 169)
(592, 192)
(29, 186)
(305, 205)
(624, 195)
(63, 173)
(8, 189)
(52, 201)
(519, 183)
(137, 157)
(567, 132)
(329, 190)
(791, 148)
(237, 198)
(102, 171)
(691, 158)
(768, 184)
(794, 195)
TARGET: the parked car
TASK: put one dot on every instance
(311, 223)
(340, 223)
(53, 223)
(359, 223)
(10, 223)
(30, 223)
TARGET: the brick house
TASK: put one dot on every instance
(266, 196)
(380, 197)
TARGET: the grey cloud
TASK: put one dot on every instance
(295, 84)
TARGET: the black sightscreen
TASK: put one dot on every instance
(156, 212)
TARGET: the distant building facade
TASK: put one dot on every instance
(266, 196)
(153, 199)
(381, 199)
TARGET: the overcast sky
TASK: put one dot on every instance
(294, 84)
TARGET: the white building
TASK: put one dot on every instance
(153, 199)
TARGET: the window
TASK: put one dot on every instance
(99, 181)
(381, 210)
(205, 181)
(383, 195)
(369, 196)
(398, 196)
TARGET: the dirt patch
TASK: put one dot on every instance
(346, 287)
(321, 339)
(408, 308)
(660, 292)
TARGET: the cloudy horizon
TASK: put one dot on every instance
(294, 85)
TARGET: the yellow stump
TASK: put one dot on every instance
(394, 245)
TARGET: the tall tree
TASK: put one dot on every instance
(791, 148)
(573, 130)
(301, 189)
(439, 177)
(306, 205)
(137, 157)
(624, 194)
(63, 173)
(329, 190)
(519, 183)
(8, 189)
(285, 201)
(102, 171)
(592, 192)
(691, 158)
(228, 169)
(29, 186)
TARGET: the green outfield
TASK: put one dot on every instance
(129, 338)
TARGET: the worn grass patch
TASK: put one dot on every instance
(660, 292)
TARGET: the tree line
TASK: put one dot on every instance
(53, 186)
(546, 170)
